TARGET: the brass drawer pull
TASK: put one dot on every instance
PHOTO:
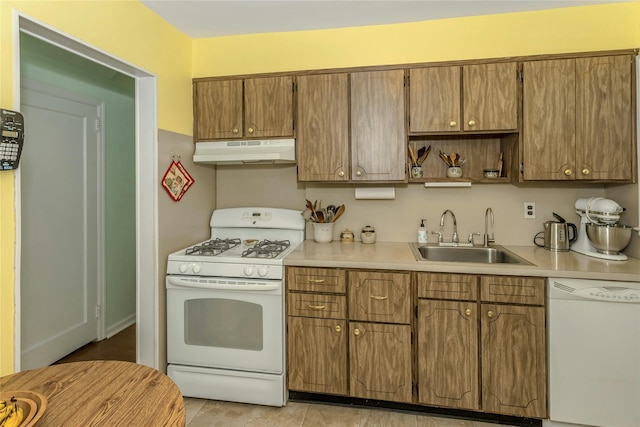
(316, 280)
(316, 307)
(378, 297)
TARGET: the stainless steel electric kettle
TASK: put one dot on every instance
(556, 234)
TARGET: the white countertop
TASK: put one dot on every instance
(398, 256)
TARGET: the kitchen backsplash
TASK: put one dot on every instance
(397, 220)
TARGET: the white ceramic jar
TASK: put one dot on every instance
(368, 235)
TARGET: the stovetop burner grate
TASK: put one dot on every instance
(267, 249)
(212, 247)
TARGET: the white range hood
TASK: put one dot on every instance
(238, 152)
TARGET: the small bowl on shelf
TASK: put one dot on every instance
(491, 173)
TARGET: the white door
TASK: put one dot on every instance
(60, 170)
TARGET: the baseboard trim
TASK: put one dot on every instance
(121, 325)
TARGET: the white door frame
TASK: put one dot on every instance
(147, 323)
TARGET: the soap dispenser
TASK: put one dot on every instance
(423, 237)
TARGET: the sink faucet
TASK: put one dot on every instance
(454, 238)
(486, 239)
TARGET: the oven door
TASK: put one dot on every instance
(225, 323)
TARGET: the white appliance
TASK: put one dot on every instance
(593, 330)
(253, 151)
(596, 210)
(225, 307)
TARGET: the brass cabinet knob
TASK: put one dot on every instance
(234, 130)
(358, 173)
(250, 130)
(338, 328)
(452, 123)
(341, 173)
(468, 312)
(356, 332)
(490, 313)
(472, 122)
(568, 172)
(586, 171)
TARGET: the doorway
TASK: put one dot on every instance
(147, 325)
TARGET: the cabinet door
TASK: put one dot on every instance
(549, 120)
(378, 134)
(217, 109)
(268, 107)
(604, 131)
(514, 372)
(380, 361)
(490, 93)
(380, 296)
(434, 99)
(317, 355)
(448, 354)
(322, 136)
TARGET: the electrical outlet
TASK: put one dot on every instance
(529, 210)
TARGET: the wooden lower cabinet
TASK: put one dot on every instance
(317, 355)
(514, 374)
(448, 354)
(480, 340)
(380, 361)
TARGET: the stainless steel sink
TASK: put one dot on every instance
(478, 254)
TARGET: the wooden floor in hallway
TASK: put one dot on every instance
(121, 346)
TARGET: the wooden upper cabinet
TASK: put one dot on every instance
(549, 119)
(322, 137)
(471, 98)
(265, 103)
(434, 94)
(378, 134)
(604, 121)
(268, 104)
(578, 119)
(490, 97)
(217, 109)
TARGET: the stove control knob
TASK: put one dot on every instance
(196, 268)
(248, 270)
(262, 271)
(183, 268)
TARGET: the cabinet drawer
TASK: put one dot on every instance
(517, 290)
(316, 279)
(448, 286)
(380, 297)
(317, 305)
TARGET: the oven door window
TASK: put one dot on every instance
(223, 323)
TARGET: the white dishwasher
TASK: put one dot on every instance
(593, 329)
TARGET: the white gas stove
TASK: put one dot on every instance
(245, 242)
(225, 307)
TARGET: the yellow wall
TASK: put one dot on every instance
(130, 31)
(125, 29)
(589, 28)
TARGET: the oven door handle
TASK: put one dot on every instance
(214, 284)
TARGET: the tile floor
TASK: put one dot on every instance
(211, 413)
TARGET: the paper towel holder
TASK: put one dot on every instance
(375, 193)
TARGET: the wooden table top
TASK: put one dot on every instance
(102, 393)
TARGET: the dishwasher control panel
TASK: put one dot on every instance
(612, 294)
